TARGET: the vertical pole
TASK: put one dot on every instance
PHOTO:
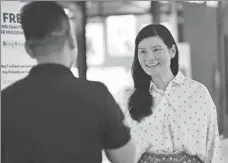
(221, 69)
(155, 11)
(225, 52)
(174, 19)
(81, 38)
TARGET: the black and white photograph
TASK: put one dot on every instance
(114, 81)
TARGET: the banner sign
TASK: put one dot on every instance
(15, 62)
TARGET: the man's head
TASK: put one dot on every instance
(48, 33)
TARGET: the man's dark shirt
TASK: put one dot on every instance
(53, 117)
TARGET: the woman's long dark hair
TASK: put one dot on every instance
(141, 101)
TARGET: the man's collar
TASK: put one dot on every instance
(50, 69)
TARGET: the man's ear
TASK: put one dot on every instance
(173, 51)
(29, 50)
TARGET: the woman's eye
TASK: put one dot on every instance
(142, 52)
(155, 50)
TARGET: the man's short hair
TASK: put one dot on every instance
(44, 20)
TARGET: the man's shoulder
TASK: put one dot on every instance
(12, 92)
(13, 87)
(91, 86)
(91, 92)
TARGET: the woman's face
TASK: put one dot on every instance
(154, 56)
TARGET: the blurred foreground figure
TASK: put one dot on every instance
(52, 117)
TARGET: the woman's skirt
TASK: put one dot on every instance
(169, 158)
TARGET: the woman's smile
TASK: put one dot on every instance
(152, 65)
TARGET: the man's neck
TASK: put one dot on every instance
(52, 60)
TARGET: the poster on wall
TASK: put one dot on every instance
(15, 62)
(121, 33)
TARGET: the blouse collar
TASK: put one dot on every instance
(178, 79)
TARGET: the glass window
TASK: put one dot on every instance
(121, 33)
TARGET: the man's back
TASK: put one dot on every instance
(53, 117)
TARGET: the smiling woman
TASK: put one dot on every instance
(153, 44)
(172, 118)
(154, 56)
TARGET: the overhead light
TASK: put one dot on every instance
(212, 3)
(164, 1)
(198, 2)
